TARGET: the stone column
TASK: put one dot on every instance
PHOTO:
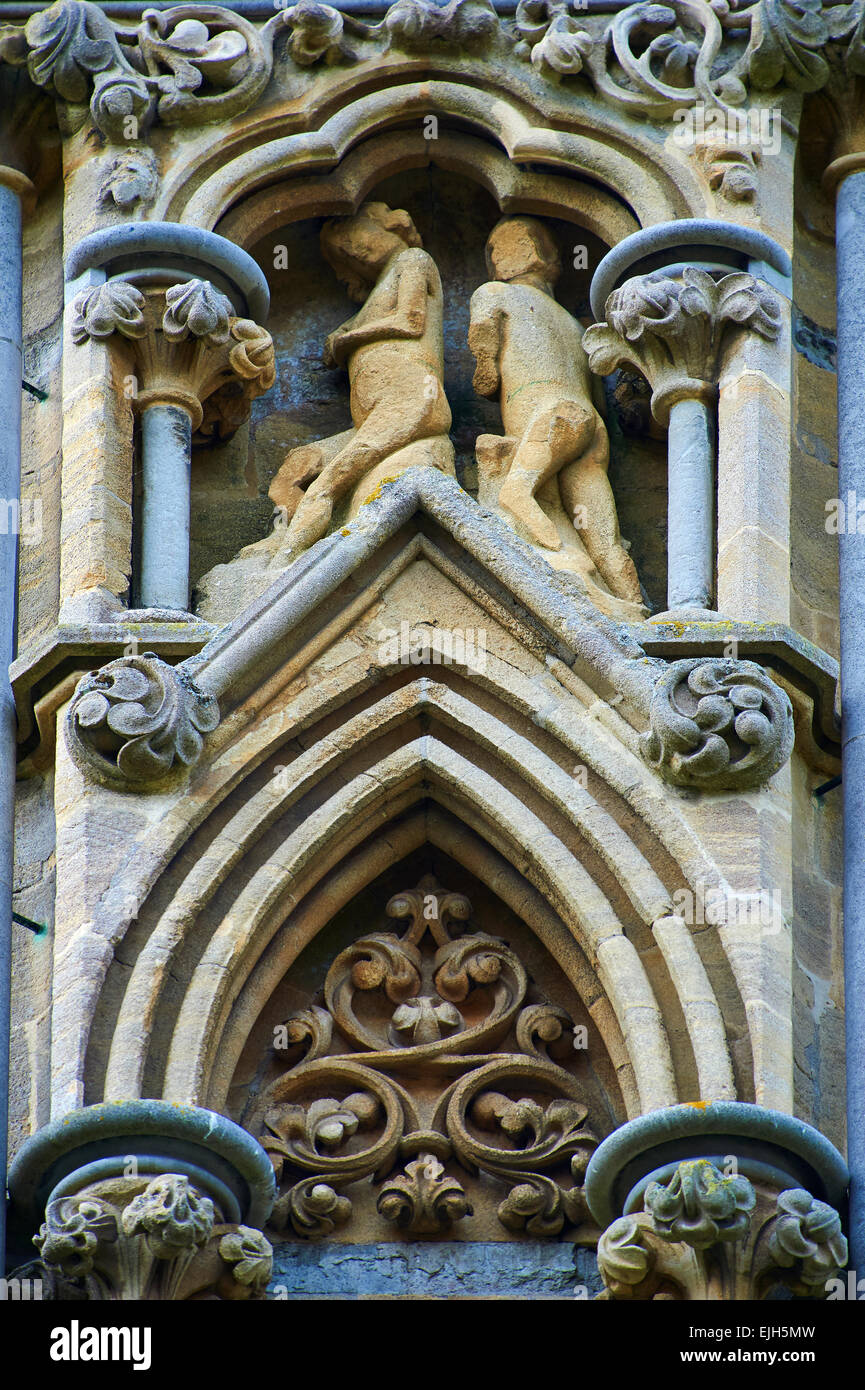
(849, 175)
(196, 365)
(723, 1203)
(192, 360)
(673, 323)
(144, 1200)
(13, 186)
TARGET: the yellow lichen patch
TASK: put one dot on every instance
(376, 492)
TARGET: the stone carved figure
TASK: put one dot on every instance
(528, 349)
(393, 350)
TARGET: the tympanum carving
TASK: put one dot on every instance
(427, 1103)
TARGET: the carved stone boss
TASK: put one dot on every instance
(423, 1101)
(672, 327)
(198, 366)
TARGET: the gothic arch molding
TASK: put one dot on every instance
(264, 149)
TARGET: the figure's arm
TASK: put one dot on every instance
(331, 343)
(485, 342)
(407, 320)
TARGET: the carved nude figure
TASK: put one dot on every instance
(528, 349)
(393, 352)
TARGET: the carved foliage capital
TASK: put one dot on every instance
(713, 1235)
(143, 1238)
(717, 724)
(131, 721)
(189, 344)
(673, 330)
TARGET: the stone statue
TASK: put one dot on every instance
(555, 450)
(393, 351)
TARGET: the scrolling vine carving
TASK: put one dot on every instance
(426, 1109)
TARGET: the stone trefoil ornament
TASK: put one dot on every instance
(404, 1088)
(718, 724)
(710, 1235)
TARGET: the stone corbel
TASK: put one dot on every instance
(718, 724)
(145, 1201)
(731, 1223)
(673, 324)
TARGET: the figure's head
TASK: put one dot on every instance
(358, 248)
(521, 248)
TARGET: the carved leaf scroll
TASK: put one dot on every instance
(425, 1086)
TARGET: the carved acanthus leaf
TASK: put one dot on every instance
(137, 716)
(807, 1231)
(249, 1256)
(171, 1215)
(114, 307)
(718, 724)
(424, 1200)
(673, 330)
(700, 1205)
(196, 308)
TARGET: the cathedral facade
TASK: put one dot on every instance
(430, 800)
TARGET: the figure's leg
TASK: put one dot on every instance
(555, 435)
(399, 414)
(301, 467)
(588, 500)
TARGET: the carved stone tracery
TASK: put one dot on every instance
(426, 1106)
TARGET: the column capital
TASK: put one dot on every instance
(672, 330)
(188, 346)
(717, 1200)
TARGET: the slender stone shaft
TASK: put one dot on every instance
(850, 238)
(690, 504)
(10, 485)
(166, 445)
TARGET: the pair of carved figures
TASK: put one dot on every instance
(546, 475)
